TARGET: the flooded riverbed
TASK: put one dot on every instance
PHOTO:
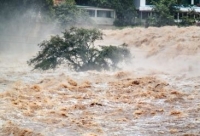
(157, 93)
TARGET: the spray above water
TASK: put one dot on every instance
(153, 94)
(171, 50)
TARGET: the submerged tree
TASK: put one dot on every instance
(76, 48)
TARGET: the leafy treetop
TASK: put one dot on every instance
(77, 49)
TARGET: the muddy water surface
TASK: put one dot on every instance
(156, 94)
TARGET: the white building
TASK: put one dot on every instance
(145, 8)
(100, 16)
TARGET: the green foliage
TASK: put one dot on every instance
(77, 49)
(189, 19)
(126, 17)
(125, 10)
(69, 15)
(165, 10)
(70, 2)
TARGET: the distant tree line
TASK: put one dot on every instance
(68, 14)
(164, 12)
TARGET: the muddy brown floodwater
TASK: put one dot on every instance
(157, 93)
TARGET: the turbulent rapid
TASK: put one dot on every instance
(156, 93)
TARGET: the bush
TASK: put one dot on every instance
(77, 49)
(190, 18)
(186, 21)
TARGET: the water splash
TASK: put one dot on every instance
(151, 96)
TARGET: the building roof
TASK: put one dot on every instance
(181, 8)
